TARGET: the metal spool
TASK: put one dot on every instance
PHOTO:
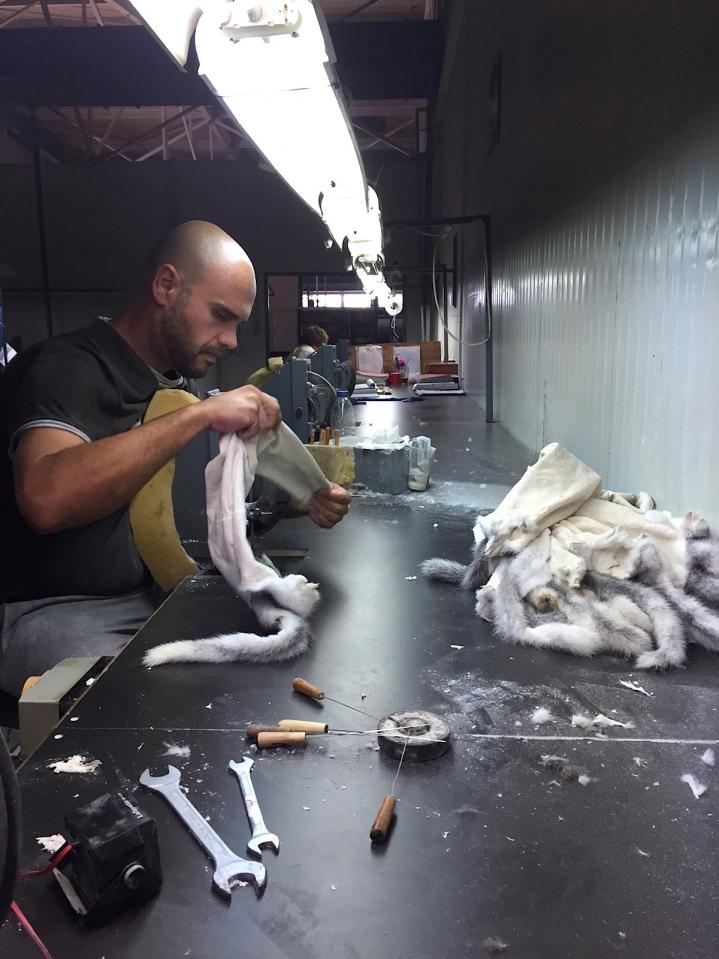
(428, 735)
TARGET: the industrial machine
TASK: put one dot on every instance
(306, 387)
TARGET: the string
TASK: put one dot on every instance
(347, 706)
(370, 732)
(394, 782)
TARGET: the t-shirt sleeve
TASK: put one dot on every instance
(57, 392)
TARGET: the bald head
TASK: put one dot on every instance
(193, 248)
(200, 284)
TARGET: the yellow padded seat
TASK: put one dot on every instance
(152, 515)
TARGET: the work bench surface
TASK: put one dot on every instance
(486, 843)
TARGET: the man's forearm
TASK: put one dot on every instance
(83, 483)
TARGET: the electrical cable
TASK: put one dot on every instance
(440, 315)
(62, 853)
(11, 813)
(27, 926)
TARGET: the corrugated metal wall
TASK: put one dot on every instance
(608, 328)
(604, 192)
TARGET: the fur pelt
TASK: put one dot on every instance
(645, 616)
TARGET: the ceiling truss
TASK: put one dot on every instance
(137, 134)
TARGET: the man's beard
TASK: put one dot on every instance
(183, 352)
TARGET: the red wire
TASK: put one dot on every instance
(44, 952)
(61, 854)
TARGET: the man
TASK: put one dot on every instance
(73, 454)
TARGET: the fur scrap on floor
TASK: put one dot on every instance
(494, 946)
(75, 764)
(635, 687)
(693, 783)
(600, 721)
(542, 715)
(182, 752)
(708, 758)
(565, 769)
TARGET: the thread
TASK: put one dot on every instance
(347, 706)
(401, 760)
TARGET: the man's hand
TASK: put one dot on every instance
(328, 506)
(244, 411)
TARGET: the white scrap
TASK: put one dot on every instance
(57, 736)
(583, 779)
(696, 787)
(410, 579)
(642, 853)
(708, 758)
(542, 715)
(90, 681)
(600, 721)
(306, 808)
(75, 764)
(51, 844)
(455, 646)
(635, 687)
(638, 761)
(208, 706)
(182, 752)
(74, 719)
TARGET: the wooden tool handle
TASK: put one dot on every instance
(381, 824)
(303, 726)
(337, 437)
(283, 738)
(254, 728)
(307, 689)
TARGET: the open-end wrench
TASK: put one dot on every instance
(260, 834)
(229, 868)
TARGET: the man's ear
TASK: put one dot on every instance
(166, 285)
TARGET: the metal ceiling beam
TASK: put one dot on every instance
(23, 126)
(383, 139)
(353, 13)
(153, 130)
(19, 13)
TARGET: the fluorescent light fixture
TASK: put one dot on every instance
(271, 66)
(173, 22)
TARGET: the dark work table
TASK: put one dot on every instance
(487, 843)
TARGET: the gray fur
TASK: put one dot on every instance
(693, 603)
(472, 576)
(444, 570)
(291, 639)
(645, 616)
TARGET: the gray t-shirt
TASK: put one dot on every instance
(93, 384)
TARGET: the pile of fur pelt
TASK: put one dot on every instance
(561, 564)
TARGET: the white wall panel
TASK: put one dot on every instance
(608, 325)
